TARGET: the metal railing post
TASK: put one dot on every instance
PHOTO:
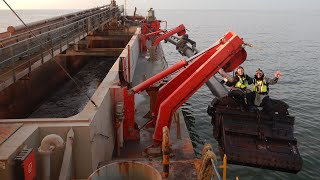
(28, 57)
(13, 65)
(60, 39)
(41, 49)
(52, 50)
(82, 27)
(73, 35)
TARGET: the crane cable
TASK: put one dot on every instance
(63, 69)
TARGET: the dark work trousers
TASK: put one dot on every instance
(265, 102)
(239, 95)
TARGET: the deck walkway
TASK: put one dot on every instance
(182, 156)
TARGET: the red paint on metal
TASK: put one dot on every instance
(180, 30)
(154, 33)
(29, 167)
(155, 25)
(235, 61)
(144, 85)
(144, 28)
(171, 86)
(153, 94)
(129, 59)
(129, 130)
(189, 80)
(155, 30)
(122, 95)
(143, 42)
(150, 26)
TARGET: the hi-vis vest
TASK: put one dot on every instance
(242, 83)
(260, 86)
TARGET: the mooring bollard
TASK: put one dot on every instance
(165, 151)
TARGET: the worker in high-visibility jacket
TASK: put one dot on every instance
(260, 88)
(239, 86)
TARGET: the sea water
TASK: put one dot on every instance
(287, 41)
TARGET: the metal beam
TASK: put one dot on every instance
(109, 37)
(110, 52)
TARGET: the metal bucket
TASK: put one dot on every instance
(126, 171)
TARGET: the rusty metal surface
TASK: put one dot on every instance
(182, 169)
(263, 144)
(254, 138)
(6, 130)
(126, 170)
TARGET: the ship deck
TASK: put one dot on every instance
(182, 165)
(93, 126)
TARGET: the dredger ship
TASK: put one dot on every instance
(89, 95)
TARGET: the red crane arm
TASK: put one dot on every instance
(228, 53)
(147, 83)
(180, 30)
(171, 86)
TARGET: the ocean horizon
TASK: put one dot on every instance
(285, 40)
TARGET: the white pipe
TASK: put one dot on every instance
(48, 144)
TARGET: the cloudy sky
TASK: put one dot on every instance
(167, 4)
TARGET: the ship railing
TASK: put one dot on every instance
(23, 56)
(69, 18)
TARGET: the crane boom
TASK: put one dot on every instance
(228, 54)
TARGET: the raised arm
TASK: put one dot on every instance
(275, 79)
(231, 82)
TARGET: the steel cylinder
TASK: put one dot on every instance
(126, 171)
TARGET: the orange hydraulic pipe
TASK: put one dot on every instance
(159, 76)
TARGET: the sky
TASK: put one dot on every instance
(166, 4)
